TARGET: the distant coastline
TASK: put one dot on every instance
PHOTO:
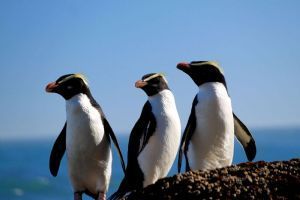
(52, 136)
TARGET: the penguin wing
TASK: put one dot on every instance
(245, 138)
(139, 136)
(108, 130)
(142, 131)
(187, 135)
(58, 151)
(109, 133)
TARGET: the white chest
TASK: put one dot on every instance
(166, 115)
(213, 140)
(84, 124)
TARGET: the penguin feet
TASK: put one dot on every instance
(77, 196)
(101, 196)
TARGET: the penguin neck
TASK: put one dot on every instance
(163, 99)
(220, 80)
(77, 102)
(159, 95)
(212, 87)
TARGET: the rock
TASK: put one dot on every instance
(251, 180)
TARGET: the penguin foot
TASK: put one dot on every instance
(101, 196)
(77, 196)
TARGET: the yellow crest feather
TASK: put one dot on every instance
(212, 63)
(156, 75)
(81, 76)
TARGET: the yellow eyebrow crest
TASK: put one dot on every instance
(212, 63)
(156, 75)
(81, 76)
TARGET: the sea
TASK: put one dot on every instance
(24, 171)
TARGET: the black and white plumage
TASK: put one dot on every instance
(86, 138)
(208, 139)
(154, 139)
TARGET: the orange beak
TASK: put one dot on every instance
(51, 86)
(183, 66)
(140, 84)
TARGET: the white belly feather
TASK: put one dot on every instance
(212, 143)
(157, 157)
(88, 152)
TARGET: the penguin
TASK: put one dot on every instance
(86, 138)
(208, 139)
(155, 138)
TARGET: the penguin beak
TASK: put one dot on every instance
(51, 87)
(140, 84)
(184, 67)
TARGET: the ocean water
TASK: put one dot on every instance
(24, 172)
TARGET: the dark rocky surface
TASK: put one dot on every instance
(251, 180)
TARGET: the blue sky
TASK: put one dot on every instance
(114, 43)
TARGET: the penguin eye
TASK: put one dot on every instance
(69, 87)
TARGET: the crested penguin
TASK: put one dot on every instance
(155, 138)
(86, 138)
(208, 139)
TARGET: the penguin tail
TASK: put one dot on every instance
(117, 195)
(121, 192)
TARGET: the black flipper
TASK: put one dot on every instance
(245, 138)
(109, 133)
(187, 135)
(139, 137)
(108, 130)
(58, 151)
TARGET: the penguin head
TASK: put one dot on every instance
(152, 83)
(203, 71)
(69, 85)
